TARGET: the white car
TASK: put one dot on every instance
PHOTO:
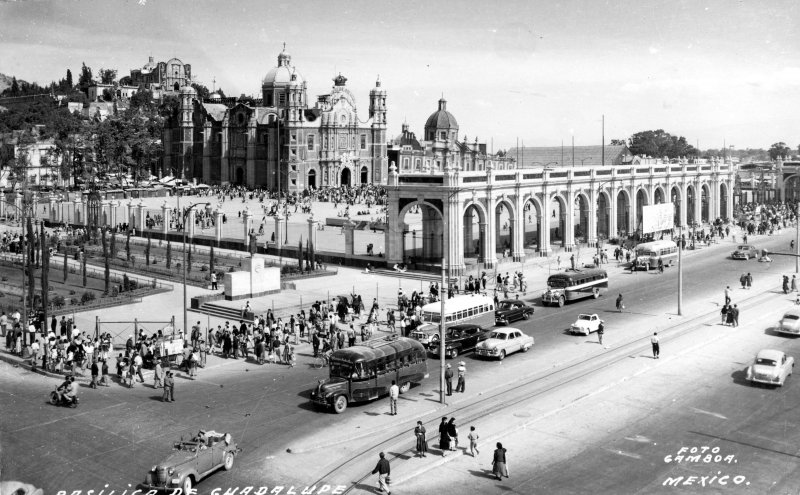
(790, 323)
(504, 341)
(585, 324)
(771, 367)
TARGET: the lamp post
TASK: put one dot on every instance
(584, 159)
(185, 215)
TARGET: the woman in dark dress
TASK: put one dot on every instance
(499, 466)
(452, 432)
(444, 437)
(422, 442)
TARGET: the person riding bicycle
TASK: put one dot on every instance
(68, 391)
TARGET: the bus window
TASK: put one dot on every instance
(471, 311)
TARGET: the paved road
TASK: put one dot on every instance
(116, 435)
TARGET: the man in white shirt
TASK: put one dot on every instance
(394, 393)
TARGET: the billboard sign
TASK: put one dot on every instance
(656, 218)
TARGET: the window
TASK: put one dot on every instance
(325, 142)
(405, 163)
(310, 142)
(443, 135)
(363, 141)
(417, 164)
(281, 99)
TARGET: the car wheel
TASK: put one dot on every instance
(54, 398)
(525, 348)
(228, 465)
(453, 353)
(187, 484)
(526, 316)
(501, 356)
(560, 302)
(405, 387)
(340, 404)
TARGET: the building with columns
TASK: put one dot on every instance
(278, 142)
(481, 216)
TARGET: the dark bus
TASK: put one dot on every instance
(570, 286)
(365, 372)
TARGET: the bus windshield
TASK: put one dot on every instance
(557, 283)
(341, 369)
(429, 317)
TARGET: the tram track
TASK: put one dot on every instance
(495, 401)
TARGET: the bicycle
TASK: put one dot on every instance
(321, 360)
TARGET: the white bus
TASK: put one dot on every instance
(648, 254)
(472, 308)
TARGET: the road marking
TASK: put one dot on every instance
(37, 425)
(623, 453)
(639, 438)
(716, 415)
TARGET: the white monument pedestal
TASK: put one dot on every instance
(254, 280)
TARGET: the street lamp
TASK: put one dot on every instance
(584, 159)
(186, 214)
(544, 165)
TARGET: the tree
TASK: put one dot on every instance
(66, 267)
(108, 95)
(300, 254)
(202, 91)
(68, 80)
(83, 266)
(147, 251)
(128, 246)
(169, 254)
(85, 79)
(311, 254)
(108, 76)
(659, 144)
(14, 87)
(617, 142)
(779, 149)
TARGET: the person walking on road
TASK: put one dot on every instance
(785, 284)
(654, 342)
(620, 306)
(452, 432)
(724, 313)
(572, 262)
(728, 294)
(394, 393)
(169, 385)
(743, 281)
(600, 331)
(448, 379)
(422, 442)
(749, 280)
(499, 463)
(382, 469)
(735, 314)
(462, 376)
(473, 441)
(444, 438)
(158, 376)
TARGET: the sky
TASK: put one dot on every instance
(541, 72)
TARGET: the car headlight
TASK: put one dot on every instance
(495, 350)
(154, 468)
(171, 471)
(776, 378)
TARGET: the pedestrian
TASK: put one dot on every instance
(213, 281)
(620, 306)
(95, 373)
(499, 463)
(473, 441)
(749, 280)
(169, 386)
(138, 362)
(394, 393)
(462, 374)
(558, 262)
(660, 266)
(785, 284)
(600, 330)
(422, 442)
(444, 438)
(572, 261)
(654, 341)
(724, 314)
(794, 283)
(158, 375)
(104, 376)
(383, 470)
(728, 294)
(735, 315)
(452, 432)
(743, 280)
(448, 379)
(130, 374)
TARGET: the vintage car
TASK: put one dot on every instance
(770, 367)
(745, 252)
(510, 310)
(585, 324)
(790, 323)
(504, 341)
(459, 339)
(425, 334)
(192, 461)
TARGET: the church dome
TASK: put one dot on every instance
(441, 119)
(282, 74)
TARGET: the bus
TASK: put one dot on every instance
(471, 308)
(578, 284)
(648, 254)
(365, 372)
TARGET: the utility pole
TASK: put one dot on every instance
(442, 295)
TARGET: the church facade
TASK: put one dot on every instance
(278, 142)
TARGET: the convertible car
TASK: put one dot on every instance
(191, 461)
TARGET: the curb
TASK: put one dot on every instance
(24, 363)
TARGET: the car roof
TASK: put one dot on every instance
(520, 301)
(506, 330)
(587, 314)
(464, 326)
(770, 354)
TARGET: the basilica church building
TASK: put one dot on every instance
(278, 142)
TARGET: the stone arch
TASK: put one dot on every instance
(603, 209)
(691, 201)
(364, 175)
(531, 222)
(346, 177)
(311, 180)
(642, 200)
(504, 226)
(474, 227)
(676, 198)
(423, 235)
(723, 200)
(705, 203)
(623, 203)
(557, 209)
(791, 188)
(659, 196)
(580, 216)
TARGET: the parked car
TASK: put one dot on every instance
(504, 341)
(745, 252)
(790, 323)
(510, 310)
(459, 339)
(425, 334)
(192, 461)
(585, 324)
(770, 367)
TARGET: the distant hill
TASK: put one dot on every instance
(5, 82)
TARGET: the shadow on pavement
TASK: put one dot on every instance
(482, 473)
(740, 377)
(401, 456)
